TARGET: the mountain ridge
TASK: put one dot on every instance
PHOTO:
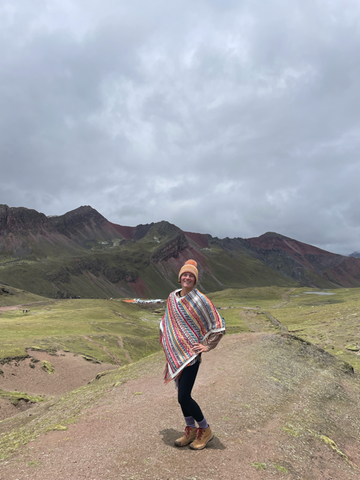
(81, 253)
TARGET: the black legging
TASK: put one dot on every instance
(186, 382)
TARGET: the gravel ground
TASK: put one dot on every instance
(274, 414)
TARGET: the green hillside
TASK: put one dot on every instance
(113, 331)
(104, 330)
(14, 296)
(82, 254)
(128, 269)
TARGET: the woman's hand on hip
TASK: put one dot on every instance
(199, 348)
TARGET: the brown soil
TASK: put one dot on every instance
(71, 372)
(24, 306)
(267, 404)
(10, 307)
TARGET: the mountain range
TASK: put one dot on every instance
(82, 254)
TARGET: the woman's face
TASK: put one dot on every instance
(187, 280)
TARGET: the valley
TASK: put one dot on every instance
(114, 333)
(76, 357)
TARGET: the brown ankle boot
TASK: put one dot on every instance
(188, 437)
(203, 437)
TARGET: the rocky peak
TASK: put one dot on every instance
(80, 217)
(272, 234)
(140, 231)
(18, 219)
(160, 231)
(164, 229)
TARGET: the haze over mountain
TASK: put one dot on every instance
(82, 254)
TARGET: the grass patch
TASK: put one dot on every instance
(93, 328)
(280, 469)
(16, 397)
(10, 296)
(47, 367)
(330, 322)
(264, 297)
(117, 332)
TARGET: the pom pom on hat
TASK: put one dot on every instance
(189, 266)
(191, 262)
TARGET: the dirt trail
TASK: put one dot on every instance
(121, 345)
(267, 405)
(24, 305)
(106, 350)
(284, 299)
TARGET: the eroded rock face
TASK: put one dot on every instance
(20, 219)
(141, 231)
(78, 220)
(23, 230)
(171, 249)
(299, 261)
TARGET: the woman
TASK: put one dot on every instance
(191, 326)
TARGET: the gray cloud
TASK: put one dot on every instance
(231, 118)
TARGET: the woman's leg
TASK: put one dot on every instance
(186, 382)
(197, 438)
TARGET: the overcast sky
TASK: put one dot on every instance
(228, 117)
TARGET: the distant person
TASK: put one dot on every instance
(191, 326)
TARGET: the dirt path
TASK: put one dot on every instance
(267, 406)
(284, 299)
(11, 307)
(121, 345)
(24, 306)
(254, 320)
(253, 317)
(106, 350)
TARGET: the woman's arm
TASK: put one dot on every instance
(211, 342)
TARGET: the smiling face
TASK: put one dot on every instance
(187, 280)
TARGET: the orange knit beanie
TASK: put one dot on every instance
(189, 266)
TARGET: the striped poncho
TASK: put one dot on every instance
(188, 320)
